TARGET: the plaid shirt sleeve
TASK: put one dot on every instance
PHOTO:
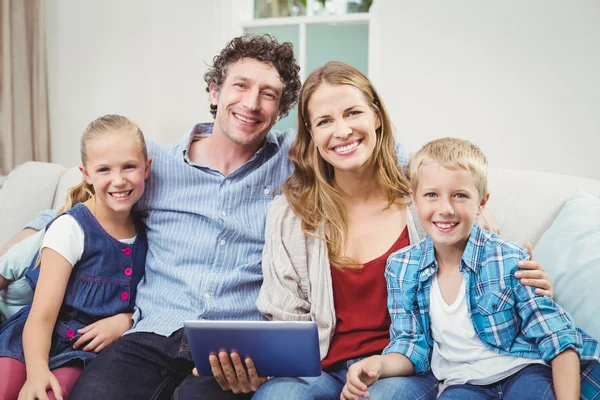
(544, 321)
(406, 332)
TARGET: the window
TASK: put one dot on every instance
(319, 30)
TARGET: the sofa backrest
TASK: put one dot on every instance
(524, 202)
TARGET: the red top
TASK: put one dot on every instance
(360, 299)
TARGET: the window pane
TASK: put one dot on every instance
(279, 8)
(340, 7)
(284, 33)
(347, 42)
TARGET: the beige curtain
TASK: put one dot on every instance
(24, 124)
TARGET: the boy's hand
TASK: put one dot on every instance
(535, 275)
(36, 386)
(231, 374)
(103, 333)
(360, 376)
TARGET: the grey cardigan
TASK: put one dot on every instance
(297, 274)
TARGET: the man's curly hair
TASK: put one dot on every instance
(263, 48)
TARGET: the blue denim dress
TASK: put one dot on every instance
(103, 283)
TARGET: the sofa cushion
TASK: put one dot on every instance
(569, 250)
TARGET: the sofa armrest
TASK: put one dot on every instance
(28, 189)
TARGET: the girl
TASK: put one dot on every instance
(91, 260)
(345, 209)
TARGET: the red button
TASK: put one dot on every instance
(70, 333)
(124, 296)
(128, 271)
(127, 251)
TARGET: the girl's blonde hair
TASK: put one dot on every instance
(112, 123)
(310, 191)
(454, 154)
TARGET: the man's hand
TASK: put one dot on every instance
(536, 275)
(103, 333)
(231, 374)
(360, 376)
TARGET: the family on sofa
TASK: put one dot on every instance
(459, 301)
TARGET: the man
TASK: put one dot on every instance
(204, 207)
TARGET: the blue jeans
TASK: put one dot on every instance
(329, 386)
(532, 382)
(147, 366)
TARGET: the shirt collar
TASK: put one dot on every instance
(470, 258)
(206, 128)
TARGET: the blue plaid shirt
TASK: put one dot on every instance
(509, 318)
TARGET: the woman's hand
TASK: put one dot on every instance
(231, 374)
(360, 376)
(103, 333)
(534, 274)
(37, 384)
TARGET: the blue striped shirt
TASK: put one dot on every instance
(206, 233)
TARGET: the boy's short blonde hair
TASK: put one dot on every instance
(455, 154)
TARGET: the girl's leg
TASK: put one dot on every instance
(532, 382)
(12, 378)
(416, 387)
(66, 377)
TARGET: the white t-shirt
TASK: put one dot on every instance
(66, 237)
(458, 355)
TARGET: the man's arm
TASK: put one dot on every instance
(16, 239)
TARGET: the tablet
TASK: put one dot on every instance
(278, 348)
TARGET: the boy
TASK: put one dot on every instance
(457, 308)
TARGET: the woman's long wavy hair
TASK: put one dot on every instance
(310, 190)
(83, 191)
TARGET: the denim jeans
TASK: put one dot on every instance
(532, 383)
(147, 366)
(329, 386)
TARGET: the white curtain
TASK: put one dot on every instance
(24, 124)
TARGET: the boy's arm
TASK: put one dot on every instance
(565, 375)
(407, 337)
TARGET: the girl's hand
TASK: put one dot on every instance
(360, 376)
(35, 387)
(534, 274)
(103, 333)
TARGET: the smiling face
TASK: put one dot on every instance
(343, 126)
(247, 102)
(116, 168)
(448, 203)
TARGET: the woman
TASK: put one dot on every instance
(327, 240)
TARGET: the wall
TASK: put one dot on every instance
(141, 58)
(519, 78)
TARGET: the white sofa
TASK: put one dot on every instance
(525, 202)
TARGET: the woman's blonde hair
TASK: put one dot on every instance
(310, 191)
(111, 123)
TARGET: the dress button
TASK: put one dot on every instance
(70, 334)
(124, 296)
(127, 251)
(128, 271)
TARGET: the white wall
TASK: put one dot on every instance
(519, 78)
(144, 59)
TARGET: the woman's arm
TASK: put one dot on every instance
(37, 334)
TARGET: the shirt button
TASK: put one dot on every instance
(266, 191)
(124, 296)
(207, 296)
(128, 271)
(127, 251)
(222, 242)
(224, 213)
(70, 334)
(228, 181)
